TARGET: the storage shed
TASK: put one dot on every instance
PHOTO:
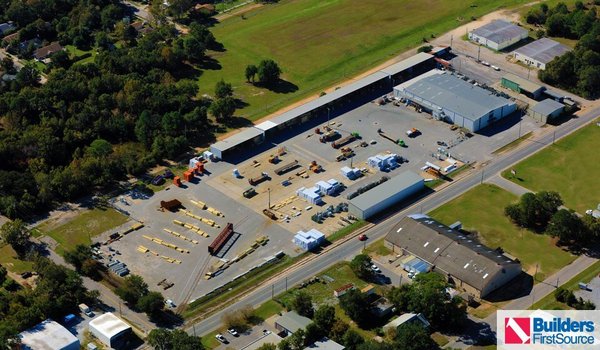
(309, 240)
(522, 86)
(540, 52)
(450, 98)
(546, 110)
(110, 330)
(235, 143)
(48, 335)
(498, 34)
(386, 194)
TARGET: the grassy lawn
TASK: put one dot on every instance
(320, 42)
(268, 309)
(225, 5)
(378, 248)
(452, 175)
(513, 144)
(80, 229)
(549, 302)
(569, 167)
(344, 231)
(209, 341)
(482, 210)
(439, 339)
(8, 259)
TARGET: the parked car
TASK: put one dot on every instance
(221, 338)
(266, 332)
(362, 237)
(233, 332)
(170, 303)
(375, 268)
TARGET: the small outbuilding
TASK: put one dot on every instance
(522, 86)
(407, 318)
(291, 322)
(540, 52)
(546, 110)
(309, 240)
(110, 330)
(498, 34)
(48, 335)
(44, 52)
(386, 194)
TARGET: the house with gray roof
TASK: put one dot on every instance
(470, 265)
(290, 322)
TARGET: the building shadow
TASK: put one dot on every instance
(518, 287)
(502, 125)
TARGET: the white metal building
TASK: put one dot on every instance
(450, 98)
(110, 330)
(540, 52)
(546, 110)
(309, 240)
(386, 194)
(498, 34)
(48, 335)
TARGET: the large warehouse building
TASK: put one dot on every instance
(48, 335)
(450, 98)
(468, 264)
(385, 195)
(498, 34)
(540, 52)
(371, 86)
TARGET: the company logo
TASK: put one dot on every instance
(541, 329)
(517, 330)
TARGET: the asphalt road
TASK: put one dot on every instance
(352, 247)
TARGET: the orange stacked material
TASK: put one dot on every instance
(177, 181)
(188, 175)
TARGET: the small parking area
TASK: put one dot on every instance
(251, 336)
(593, 292)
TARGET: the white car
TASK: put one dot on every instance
(496, 68)
(221, 338)
(233, 332)
(375, 269)
(170, 303)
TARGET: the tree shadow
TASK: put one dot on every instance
(280, 86)
(167, 319)
(477, 333)
(237, 122)
(239, 103)
(186, 71)
(210, 63)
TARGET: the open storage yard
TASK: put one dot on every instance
(482, 210)
(324, 42)
(570, 166)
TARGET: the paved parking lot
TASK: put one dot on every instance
(253, 335)
(593, 292)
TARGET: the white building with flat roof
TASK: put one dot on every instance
(48, 335)
(110, 330)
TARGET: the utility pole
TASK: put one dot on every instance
(478, 52)
(451, 37)
(272, 291)
(482, 171)
(553, 136)
(120, 312)
(194, 328)
(286, 283)
(535, 275)
(269, 190)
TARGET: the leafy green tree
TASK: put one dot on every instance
(223, 89)
(354, 303)
(9, 336)
(338, 329)
(567, 226)
(297, 339)
(534, 210)
(285, 344)
(325, 317)
(302, 304)
(164, 339)
(160, 339)
(251, 72)
(17, 235)
(352, 339)
(152, 303)
(412, 336)
(361, 266)
(268, 72)
(222, 109)
(132, 289)
(7, 65)
(268, 346)
(28, 76)
(313, 333)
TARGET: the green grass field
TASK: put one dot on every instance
(9, 259)
(570, 167)
(80, 229)
(320, 42)
(482, 210)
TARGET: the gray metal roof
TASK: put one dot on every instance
(48, 335)
(499, 31)
(292, 321)
(449, 250)
(543, 50)
(452, 93)
(407, 63)
(386, 190)
(547, 107)
(236, 139)
(328, 98)
(523, 83)
(325, 344)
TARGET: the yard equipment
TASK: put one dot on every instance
(413, 132)
(177, 181)
(219, 242)
(188, 175)
(342, 142)
(249, 193)
(314, 167)
(172, 205)
(273, 159)
(284, 169)
(318, 131)
(347, 152)
(270, 214)
(330, 136)
(256, 180)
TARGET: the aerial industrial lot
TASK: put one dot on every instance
(405, 192)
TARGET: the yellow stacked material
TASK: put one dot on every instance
(209, 222)
(284, 202)
(199, 204)
(177, 222)
(177, 234)
(215, 212)
(142, 249)
(203, 220)
(166, 244)
(255, 245)
(249, 251)
(171, 260)
(137, 226)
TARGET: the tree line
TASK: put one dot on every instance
(578, 70)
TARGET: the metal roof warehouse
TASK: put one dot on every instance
(498, 34)
(540, 52)
(469, 264)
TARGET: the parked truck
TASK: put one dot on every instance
(256, 180)
(339, 143)
(284, 169)
(330, 136)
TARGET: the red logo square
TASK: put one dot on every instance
(517, 330)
